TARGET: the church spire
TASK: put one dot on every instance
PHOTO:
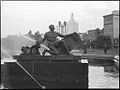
(72, 17)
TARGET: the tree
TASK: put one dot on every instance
(97, 31)
(102, 40)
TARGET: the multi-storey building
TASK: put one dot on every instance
(111, 26)
(72, 25)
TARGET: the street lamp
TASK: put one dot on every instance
(65, 26)
(59, 23)
(62, 27)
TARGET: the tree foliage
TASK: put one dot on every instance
(98, 31)
(102, 40)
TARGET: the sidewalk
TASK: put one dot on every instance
(98, 52)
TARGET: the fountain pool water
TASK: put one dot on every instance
(28, 38)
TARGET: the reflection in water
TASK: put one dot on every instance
(100, 79)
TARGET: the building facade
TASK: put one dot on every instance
(92, 35)
(111, 26)
(72, 25)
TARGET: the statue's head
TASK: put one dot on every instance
(51, 27)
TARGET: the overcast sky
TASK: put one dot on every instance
(21, 16)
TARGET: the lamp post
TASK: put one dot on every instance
(65, 26)
(59, 23)
(62, 27)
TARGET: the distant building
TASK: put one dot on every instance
(57, 28)
(85, 37)
(102, 32)
(92, 34)
(111, 26)
(72, 25)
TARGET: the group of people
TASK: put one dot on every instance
(104, 49)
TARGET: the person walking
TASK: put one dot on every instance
(105, 49)
(85, 50)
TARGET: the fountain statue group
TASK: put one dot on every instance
(70, 42)
(33, 50)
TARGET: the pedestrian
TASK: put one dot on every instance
(105, 49)
(85, 50)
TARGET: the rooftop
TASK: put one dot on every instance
(115, 12)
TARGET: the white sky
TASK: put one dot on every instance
(21, 16)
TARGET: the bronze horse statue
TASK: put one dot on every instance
(65, 45)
